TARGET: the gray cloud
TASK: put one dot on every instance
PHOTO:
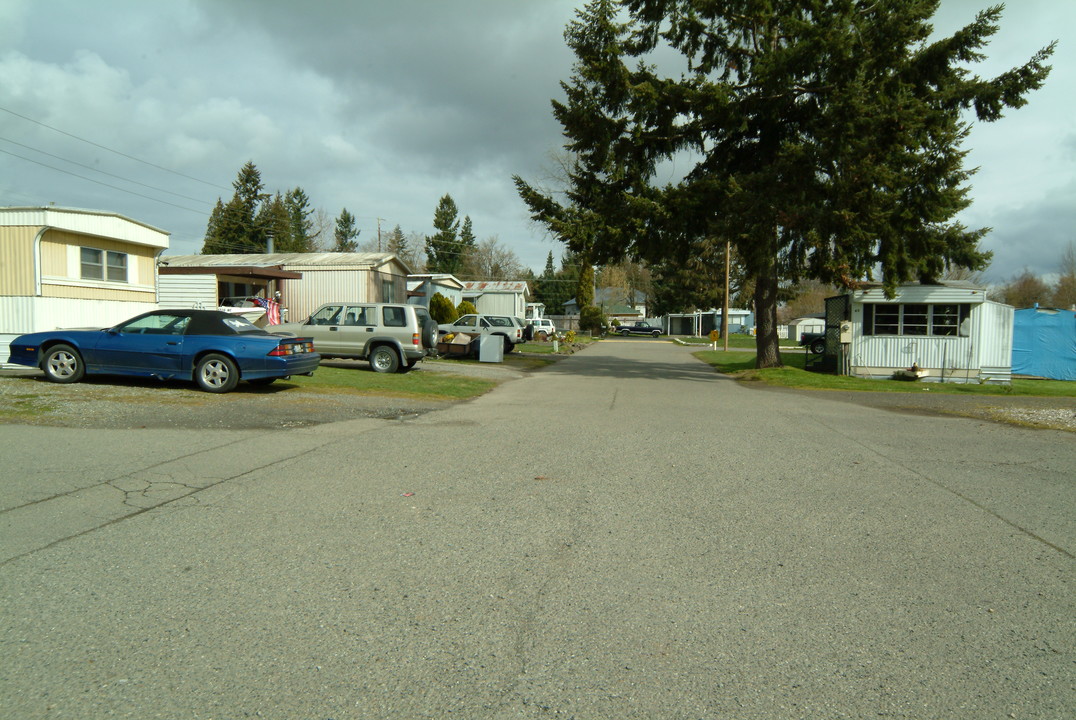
(382, 107)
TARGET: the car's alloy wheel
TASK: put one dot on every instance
(216, 374)
(383, 359)
(62, 364)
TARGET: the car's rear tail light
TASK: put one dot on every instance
(416, 338)
(298, 348)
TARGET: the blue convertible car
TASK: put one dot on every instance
(214, 348)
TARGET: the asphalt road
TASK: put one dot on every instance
(622, 535)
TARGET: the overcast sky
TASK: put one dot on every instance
(384, 106)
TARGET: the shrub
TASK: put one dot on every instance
(442, 310)
(465, 308)
(591, 318)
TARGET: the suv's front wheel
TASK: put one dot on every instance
(383, 359)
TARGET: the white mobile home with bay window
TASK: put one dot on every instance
(948, 332)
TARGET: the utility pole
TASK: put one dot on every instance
(725, 302)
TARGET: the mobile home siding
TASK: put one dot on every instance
(61, 261)
(954, 354)
(20, 315)
(88, 222)
(499, 304)
(302, 297)
(937, 294)
(187, 291)
(995, 346)
(17, 261)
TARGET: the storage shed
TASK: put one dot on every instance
(325, 277)
(701, 322)
(65, 267)
(422, 287)
(497, 297)
(1044, 343)
(947, 332)
(806, 324)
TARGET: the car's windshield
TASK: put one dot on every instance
(156, 324)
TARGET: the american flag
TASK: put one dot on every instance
(272, 310)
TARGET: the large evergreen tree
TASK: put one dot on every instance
(825, 138)
(273, 222)
(233, 228)
(300, 219)
(443, 248)
(346, 233)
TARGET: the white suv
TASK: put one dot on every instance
(391, 336)
(544, 328)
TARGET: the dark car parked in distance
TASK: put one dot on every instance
(639, 328)
(815, 342)
(214, 349)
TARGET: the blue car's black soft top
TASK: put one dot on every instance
(210, 322)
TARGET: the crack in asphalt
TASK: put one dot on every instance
(121, 477)
(956, 493)
(137, 509)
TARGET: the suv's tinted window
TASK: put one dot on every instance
(360, 316)
(328, 315)
(467, 321)
(394, 316)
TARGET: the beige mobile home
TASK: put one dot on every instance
(62, 267)
(305, 281)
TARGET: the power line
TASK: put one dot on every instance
(131, 192)
(103, 172)
(117, 152)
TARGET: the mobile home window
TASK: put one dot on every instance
(103, 265)
(915, 319)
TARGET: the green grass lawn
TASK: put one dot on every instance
(419, 385)
(793, 375)
(736, 340)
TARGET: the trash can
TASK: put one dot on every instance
(491, 349)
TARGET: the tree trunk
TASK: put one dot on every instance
(766, 341)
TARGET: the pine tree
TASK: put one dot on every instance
(274, 222)
(443, 249)
(300, 219)
(211, 244)
(232, 228)
(827, 136)
(345, 233)
(467, 238)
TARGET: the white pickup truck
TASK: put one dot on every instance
(486, 325)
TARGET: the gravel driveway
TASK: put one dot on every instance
(26, 397)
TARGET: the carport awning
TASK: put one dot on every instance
(266, 273)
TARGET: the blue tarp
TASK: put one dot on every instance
(1044, 343)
